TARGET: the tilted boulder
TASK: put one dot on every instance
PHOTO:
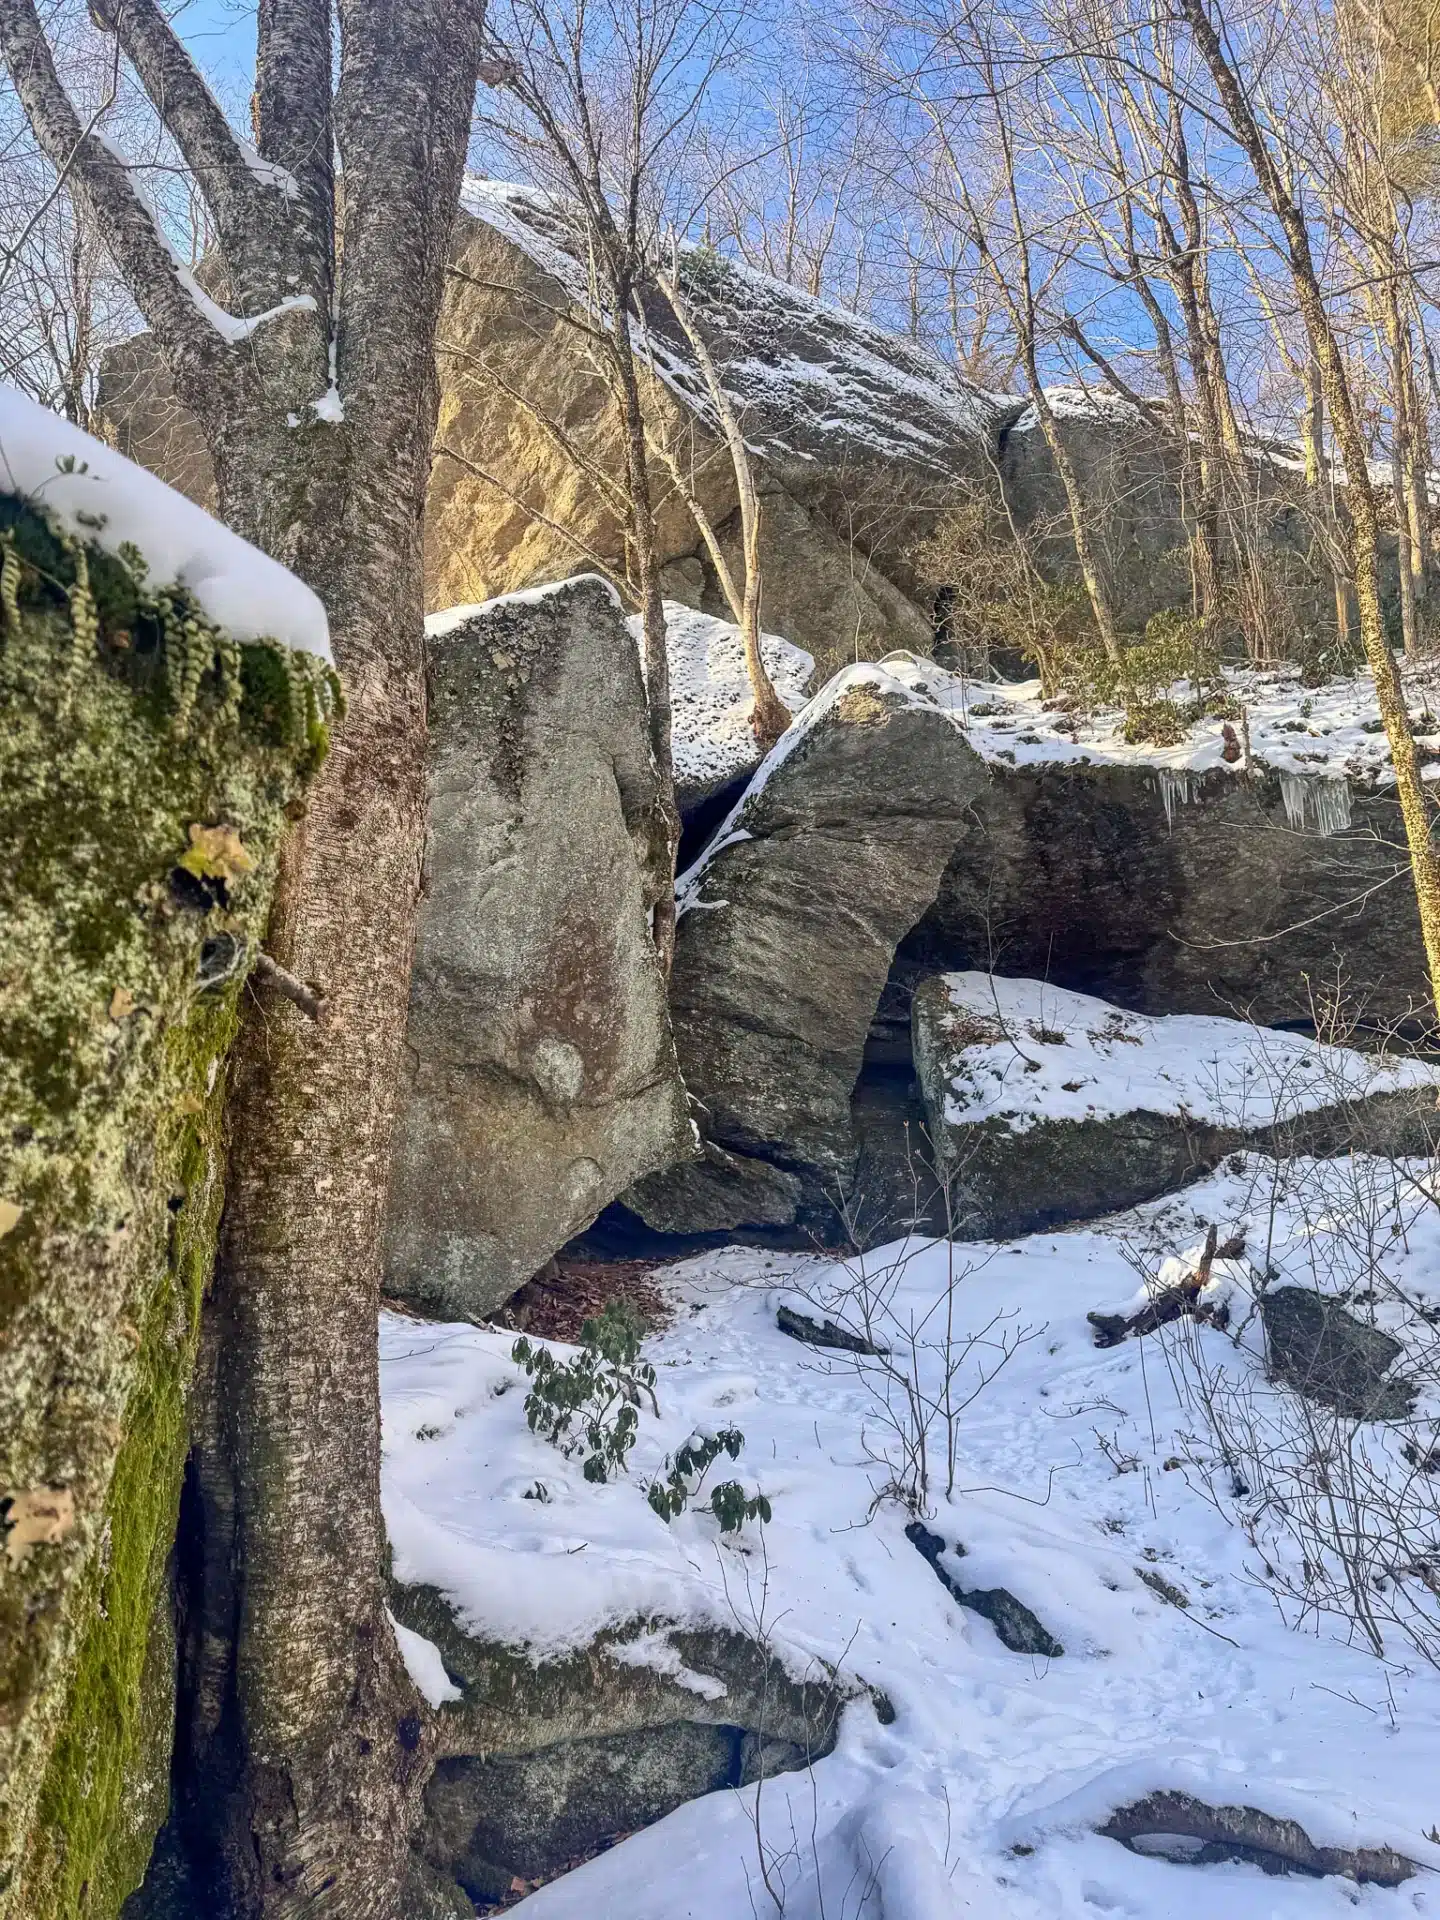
(1176, 880)
(1047, 1106)
(786, 934)
(542, 1071)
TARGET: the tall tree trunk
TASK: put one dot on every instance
(1092, 566)
(306, 1745)
(1365, 523)
(1320, 487)
(652, 601)
(306, 1784)
(769, 716)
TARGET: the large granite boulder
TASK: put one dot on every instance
(1132, 479)
(787, 930)
(1271, 896)
(546, 1759)
(1174, 880)
(857, 436)
(1141, 508)
(1046, 1106)
(542, 1072)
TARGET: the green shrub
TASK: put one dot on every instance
(685, 1474)
(590, 1405)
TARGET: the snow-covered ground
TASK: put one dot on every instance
(982, 1798)
(89, 490)
(1026, 1051)
(711, 737)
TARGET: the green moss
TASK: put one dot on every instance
(134, 735)
(106, 1788)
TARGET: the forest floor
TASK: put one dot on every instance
(1090, 1483)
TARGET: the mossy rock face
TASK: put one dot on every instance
(545, 1760)
(147, 768)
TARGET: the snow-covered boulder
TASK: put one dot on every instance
(542, 1071)
(1046, 1106)
(1184, 879)
(1193, 878)
(1133, 479)
(857, 434)
(711, 736)
(787, 928)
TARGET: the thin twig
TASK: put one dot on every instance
(309, 998)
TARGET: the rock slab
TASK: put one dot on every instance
(787, 929)
(543, 1078)
(1046, 1106)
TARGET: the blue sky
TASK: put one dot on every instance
(221, 36)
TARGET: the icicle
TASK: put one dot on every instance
(1319, 802)
(1174, 785)
(1331, 802)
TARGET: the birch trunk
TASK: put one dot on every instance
(1364, 518)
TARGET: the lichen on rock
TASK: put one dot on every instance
(148, 765)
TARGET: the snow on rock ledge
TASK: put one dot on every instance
(1024, 1052)
(93, 493)
(1312, 737)
(1047, 1106)
(712, 739)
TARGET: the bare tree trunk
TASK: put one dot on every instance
(1092, 568)
(1320, 487)
(307, 1746)
(1020, 301)
(770, 716)
(652, 602)
(1415, 504)
(1209, 512)
(1410, 791)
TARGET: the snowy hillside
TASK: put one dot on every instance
(1085, 1482)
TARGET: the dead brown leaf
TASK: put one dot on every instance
(38, 1517)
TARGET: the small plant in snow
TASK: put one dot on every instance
(590, 1405)
(685, 1474)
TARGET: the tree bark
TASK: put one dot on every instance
(652, 602)
(305, 1745)
(770, 716)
